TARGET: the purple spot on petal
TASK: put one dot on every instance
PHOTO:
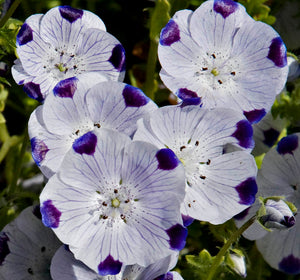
(247, 191)
(66, 88)
(225, 7)
(70, 14)
(184, 93)
(109, 266)
(270, 136)
(177, 235)
(242, 214)
(134, 97)
(4, 250)
(167, 160)
(50, 214)
(25, 35)
(167, 276)
(244, 133)
(255, 116)
(287, 144)
(38, 150)
(117, 58)
(33, 91)
(277, 52)
(289, 221)
(290, 265)
(187, 220)
(86, 144)
(169, 34)
(191, 101)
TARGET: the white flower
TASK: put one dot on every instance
(116, 202)
(75, 109)
(213, 146)
(219, 53)
(64, 43)
(27, 247)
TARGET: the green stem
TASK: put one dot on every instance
(4, 135)
(10, 142)
(218, 259)
(18, 167)
(149, 86)
(10, 12)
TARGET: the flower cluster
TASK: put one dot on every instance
(124, 177)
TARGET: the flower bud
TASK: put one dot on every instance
(278, 215)
(239, 264)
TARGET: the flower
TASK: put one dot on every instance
(219, 53)
(76, 109)
(279, 176)
(213, 146)
(64, 43)
(65, 266)
(27, 247)
(116, 202)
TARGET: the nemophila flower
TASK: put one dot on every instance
(116, 202)
(280, 176)
(266, 133)
(65, 266)
(27, 247)
(75, 109)
(213, 146)
(219, 53)
(64, 43)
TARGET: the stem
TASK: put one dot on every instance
(12, 141)
(10, 12)
(218, 259)
(4, 135)
(151, 66)
(18, 167)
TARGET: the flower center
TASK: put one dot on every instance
(61, 67)
(215, 72)
(115, 202)
(62, 63)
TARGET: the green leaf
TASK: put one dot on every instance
(224, 231)
(203, 261)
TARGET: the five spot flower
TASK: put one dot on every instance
(117, 202)
(67, 116)
(213, 146)
(219, 53)
(65, 43)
